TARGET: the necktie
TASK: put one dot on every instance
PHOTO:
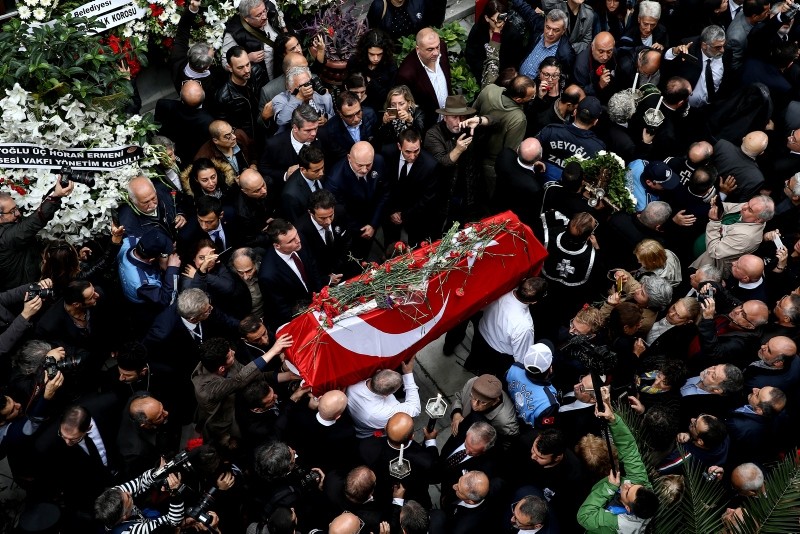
(328, 237)
(299, 264)
(93, 452)
(403, 172)
(710, 81)
(316, 185)
(735, 11)
(457, 458)
(219, 245)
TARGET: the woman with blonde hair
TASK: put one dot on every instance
(657, 260)
(401, 114)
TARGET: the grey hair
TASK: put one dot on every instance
(655, 214)
(793, 312)
(712, 33)
(650, 9)
(658, 290)
(621, 107)
(796, 189)
(247, 252)
(31, 356)
(711, 273)
(273, 460)
(192, 302)
(768, 212)
(246, 6)
(304, 113)
(386, 381)
(109, 507)
(754, 477)
(293, 73)
(535, 508)
(166, 142)
(483, 432)
(471, 482)
(734, 380)
(129, 188)
(198, 56)
(556, 15)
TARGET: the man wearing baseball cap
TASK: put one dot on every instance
(530, 388)
(484, 395)
(649, 180)
(563, 141)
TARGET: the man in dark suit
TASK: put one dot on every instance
(355, 494)
(146, 434)
(697, 59)
(785, 163)
(358, 183)
(212, 224)
(740, 162)
(279, 158)
(517, 183)
(751, 427)
(426, 71)
(255, 205)
(377, 452)
(747, 281)
(184, 121)
(304, 181)
(470, 513)
(670, 136)
(412, 189)
(288, 274)
(470, 450)
(329, 243)
(351, 124)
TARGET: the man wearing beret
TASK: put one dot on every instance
(483, 397)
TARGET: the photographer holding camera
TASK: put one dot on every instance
(14, 327)
(20, 257)
(301, 89)
(115, 507)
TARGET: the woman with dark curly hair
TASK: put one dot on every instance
(374, 59)
(208, 177)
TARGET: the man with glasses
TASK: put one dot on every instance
(777, 365)
(20, 255)
(529, 514)
(228, 144)
(353, 123)
(255, 30)
(706, 442)
(712, 391)
(734, 230)
(753, 429)
(299, 91)
(707, 74)
(732, 338)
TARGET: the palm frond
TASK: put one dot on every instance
(779, 509)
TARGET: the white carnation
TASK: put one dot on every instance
(24, 12)
(39, 13)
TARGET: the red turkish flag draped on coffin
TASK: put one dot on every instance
(354, 347)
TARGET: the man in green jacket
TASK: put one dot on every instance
(611, 507)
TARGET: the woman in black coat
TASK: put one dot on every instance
(374, 59)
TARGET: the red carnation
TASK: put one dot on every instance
(26, 181)
(167, 42)
(423, 243)
(600, 70)
(156, 10)
(180, 3)
(460, 292)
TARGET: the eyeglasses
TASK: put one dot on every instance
(230, 136)
(550, 75)
(739, 310)
(478, 401)
(516, 522)
(71, 441)
(582, 388)
(352, 115)
(9, 212)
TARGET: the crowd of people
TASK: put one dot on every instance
(145, 387)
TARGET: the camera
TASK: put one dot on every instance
(199, 512)
(466, 131)
(711, 477)
(789, 15)
(34, 291)
(316, 85)
(596, 358)
(705, 295)
(68, 175)
(68, 363)
(308, 479)
(502, 17)
(180, 462)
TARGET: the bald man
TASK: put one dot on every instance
(345, 523)
(518, 185)
(327, 428)
(377, 452)
(740, 162)
(185, 121)
(595, 67)
(150, 206)
(228, 144)
(747, 280)
(426, 71)
(145, 434)
(471, 513)
(254, 207)
(777, 365)
(359, 183)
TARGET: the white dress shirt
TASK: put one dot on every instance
(371, 411)
(290, 262)
(94, 435)
(438, 81)
(507, 326)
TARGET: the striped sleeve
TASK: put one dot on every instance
(173, 518)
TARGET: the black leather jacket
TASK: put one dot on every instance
(237, 109)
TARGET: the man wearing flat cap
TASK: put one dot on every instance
(450, 143)
(483, 397)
